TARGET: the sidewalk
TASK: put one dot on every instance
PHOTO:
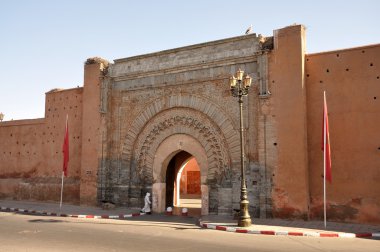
(223, 223)
(68, 210)
(292, 227)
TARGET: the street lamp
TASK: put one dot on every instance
(239, 86)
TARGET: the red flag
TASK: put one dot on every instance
(326, 142)
(65, 148)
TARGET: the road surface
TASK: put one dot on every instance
(149, 233)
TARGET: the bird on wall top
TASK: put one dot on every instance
(249, 30)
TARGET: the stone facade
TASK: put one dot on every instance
(181, 92)
(136, 119)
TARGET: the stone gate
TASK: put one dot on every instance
(159, 104)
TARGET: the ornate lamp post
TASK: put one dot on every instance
(239, 88)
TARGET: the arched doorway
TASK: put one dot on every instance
(183, 184)
(173, 154)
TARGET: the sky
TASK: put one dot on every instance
(44, 43)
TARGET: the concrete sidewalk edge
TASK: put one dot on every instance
(287, 233)
(83, 216)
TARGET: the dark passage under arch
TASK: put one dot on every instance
(183, 180)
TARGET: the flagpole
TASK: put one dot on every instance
(324, 157)
(60, 204)
(63, 170)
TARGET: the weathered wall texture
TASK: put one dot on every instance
(287, 115)
(31, 151)
(91, 155)
(182, 91)
(351, 79)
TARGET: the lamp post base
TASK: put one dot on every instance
(244, 222)
(244, 218)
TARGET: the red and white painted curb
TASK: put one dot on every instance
(288, 233)
(45, 213)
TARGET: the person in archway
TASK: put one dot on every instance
(147, 203)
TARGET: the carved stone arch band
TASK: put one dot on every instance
(187, 122)
(185, 101)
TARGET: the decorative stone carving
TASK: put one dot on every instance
(153, 98)
(217, 119)
(167, 112)
(184, 121)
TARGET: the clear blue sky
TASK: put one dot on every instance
(45, 43)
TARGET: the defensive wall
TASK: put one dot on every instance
(351, 79)
(31, 151)
(284, 129)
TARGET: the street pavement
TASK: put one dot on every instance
(33, 233)
(220, 223)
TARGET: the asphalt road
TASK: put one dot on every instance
(147, 233)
